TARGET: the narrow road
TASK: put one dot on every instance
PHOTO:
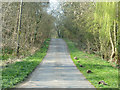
(57, 70)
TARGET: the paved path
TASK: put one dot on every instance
(57, 70)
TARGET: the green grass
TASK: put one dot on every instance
(7, 53)
(102, 70)
(5, 57)
(17, 72)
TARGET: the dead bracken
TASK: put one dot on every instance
(81, 65)
(78, 61)
(75, 58)
(89, 71)
(102, 82)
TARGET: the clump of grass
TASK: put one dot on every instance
(102, 70)
(17, 72)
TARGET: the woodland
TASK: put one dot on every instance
(25, 27)
(92, 26)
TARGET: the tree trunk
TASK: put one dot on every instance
(113, 48)
(19, 29)
(115, 40)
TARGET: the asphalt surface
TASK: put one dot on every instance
(57, 70)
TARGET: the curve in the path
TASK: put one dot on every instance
(57, 70)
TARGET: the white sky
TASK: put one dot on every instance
(53, 5)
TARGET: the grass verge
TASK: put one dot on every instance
(18, 71)
(102, 70)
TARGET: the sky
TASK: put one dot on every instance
(53, 5)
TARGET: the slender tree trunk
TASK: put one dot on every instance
(113, 48)
(19, 29)
(115, 40)
(35, 33)
(118, 34)
(88, 46)
(118, 45)
(16, 27)
(58, 31)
